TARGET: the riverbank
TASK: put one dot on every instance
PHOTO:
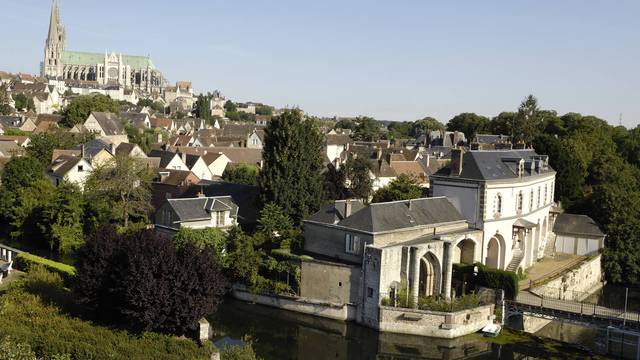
(280, 334)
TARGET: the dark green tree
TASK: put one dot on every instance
(368, 129)
(79, 109)
(291, 176)
(357, 173)
(425, 125)
(468, 123)
(230, 106)
(202, 107)
(399, 130)
(501, 124)
(241, 174)
(23, 102)
(528, 124)
(65, 219)
(404, 187)
(20, 172)
(42, 144)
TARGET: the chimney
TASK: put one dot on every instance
(456, 161)
(184, 157)
(82, 151)
(347, 208)
(379, 155)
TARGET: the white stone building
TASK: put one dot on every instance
(508, 194)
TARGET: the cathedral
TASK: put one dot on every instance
(95, 69)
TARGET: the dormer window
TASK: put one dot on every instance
(80, 168)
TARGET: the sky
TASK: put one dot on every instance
(393, 60)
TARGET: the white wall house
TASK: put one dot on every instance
(70, 168)
(509, 195)
(197, 213)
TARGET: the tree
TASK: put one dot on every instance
(82, 106)
(345, 124)
(20, 172)
(241, 174)
(264, 110)
(6, 109)
(65, 218)
(367, 129)
(502, 124)
(468, 123)
(202, 107)
(424, 126)
(276, 226)
(23, 102)
(404, 187)
(357, 173)
(291, 176)
(5, 100)
(334, 181)
(123, 185)
(399, 130)
(142, 281)
(42, 144)
(208, 238)
(29, 213)
(528, 122)
(230, 106)
(243, 259)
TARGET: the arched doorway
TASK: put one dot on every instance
(465, 252)
(493, 253)
(429, 276)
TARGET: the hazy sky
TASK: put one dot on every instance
(394, 60)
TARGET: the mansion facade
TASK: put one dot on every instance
(97, 69)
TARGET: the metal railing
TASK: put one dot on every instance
(571, 309)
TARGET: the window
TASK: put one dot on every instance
(519, 201)
(80, 168)
(369, 292)
(552, 194)
(538, 202)
(219, 218)
(351, 244)
(497, 205)
(545, 194)
(531, 201)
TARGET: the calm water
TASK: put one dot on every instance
(279, 334)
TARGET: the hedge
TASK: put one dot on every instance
(489, 277)
(25, 260)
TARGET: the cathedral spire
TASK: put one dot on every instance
(54, 21)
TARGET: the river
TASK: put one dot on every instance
(281, 335)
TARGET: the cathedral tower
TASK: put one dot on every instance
(55, 45)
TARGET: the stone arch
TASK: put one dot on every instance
(430, 275)
(464, 251)
(495, 252)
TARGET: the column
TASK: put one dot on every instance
(415, 278)
(447, 270)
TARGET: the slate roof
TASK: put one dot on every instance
(200, 208)
(60, 152)
(165, 156)
(125, 149)
(245, 196)
(8, 122)
(398, 215)
(334, 213)
(175, 177)
(135, 119)
(110, 123)
(498, 164)
(62, 165)
(573, 224)
(93, 147)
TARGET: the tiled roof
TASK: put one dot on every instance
(110, 123)
(175, 177)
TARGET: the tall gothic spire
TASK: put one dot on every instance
(54, 22)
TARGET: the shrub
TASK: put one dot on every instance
(488, 277)
(236, 352)
(11, 349)
(25, 261)
(462, 303)
(50, 332)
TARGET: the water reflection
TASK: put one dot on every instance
(279, 334)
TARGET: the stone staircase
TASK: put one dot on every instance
(518, 255)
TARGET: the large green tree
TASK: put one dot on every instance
(368, 129)
(357, 173)
(241, 174)
(404, 187)
(291, 176)
(468, 123)
(528, 122)
(79, 109)
(42, 144)
(202, 107)
(24, 102)
(425, 125)
(122, 187)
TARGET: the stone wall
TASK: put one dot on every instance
(329, 281)
(574, 284)
(434, 323)
(328, 310)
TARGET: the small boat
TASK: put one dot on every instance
(491, 330)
